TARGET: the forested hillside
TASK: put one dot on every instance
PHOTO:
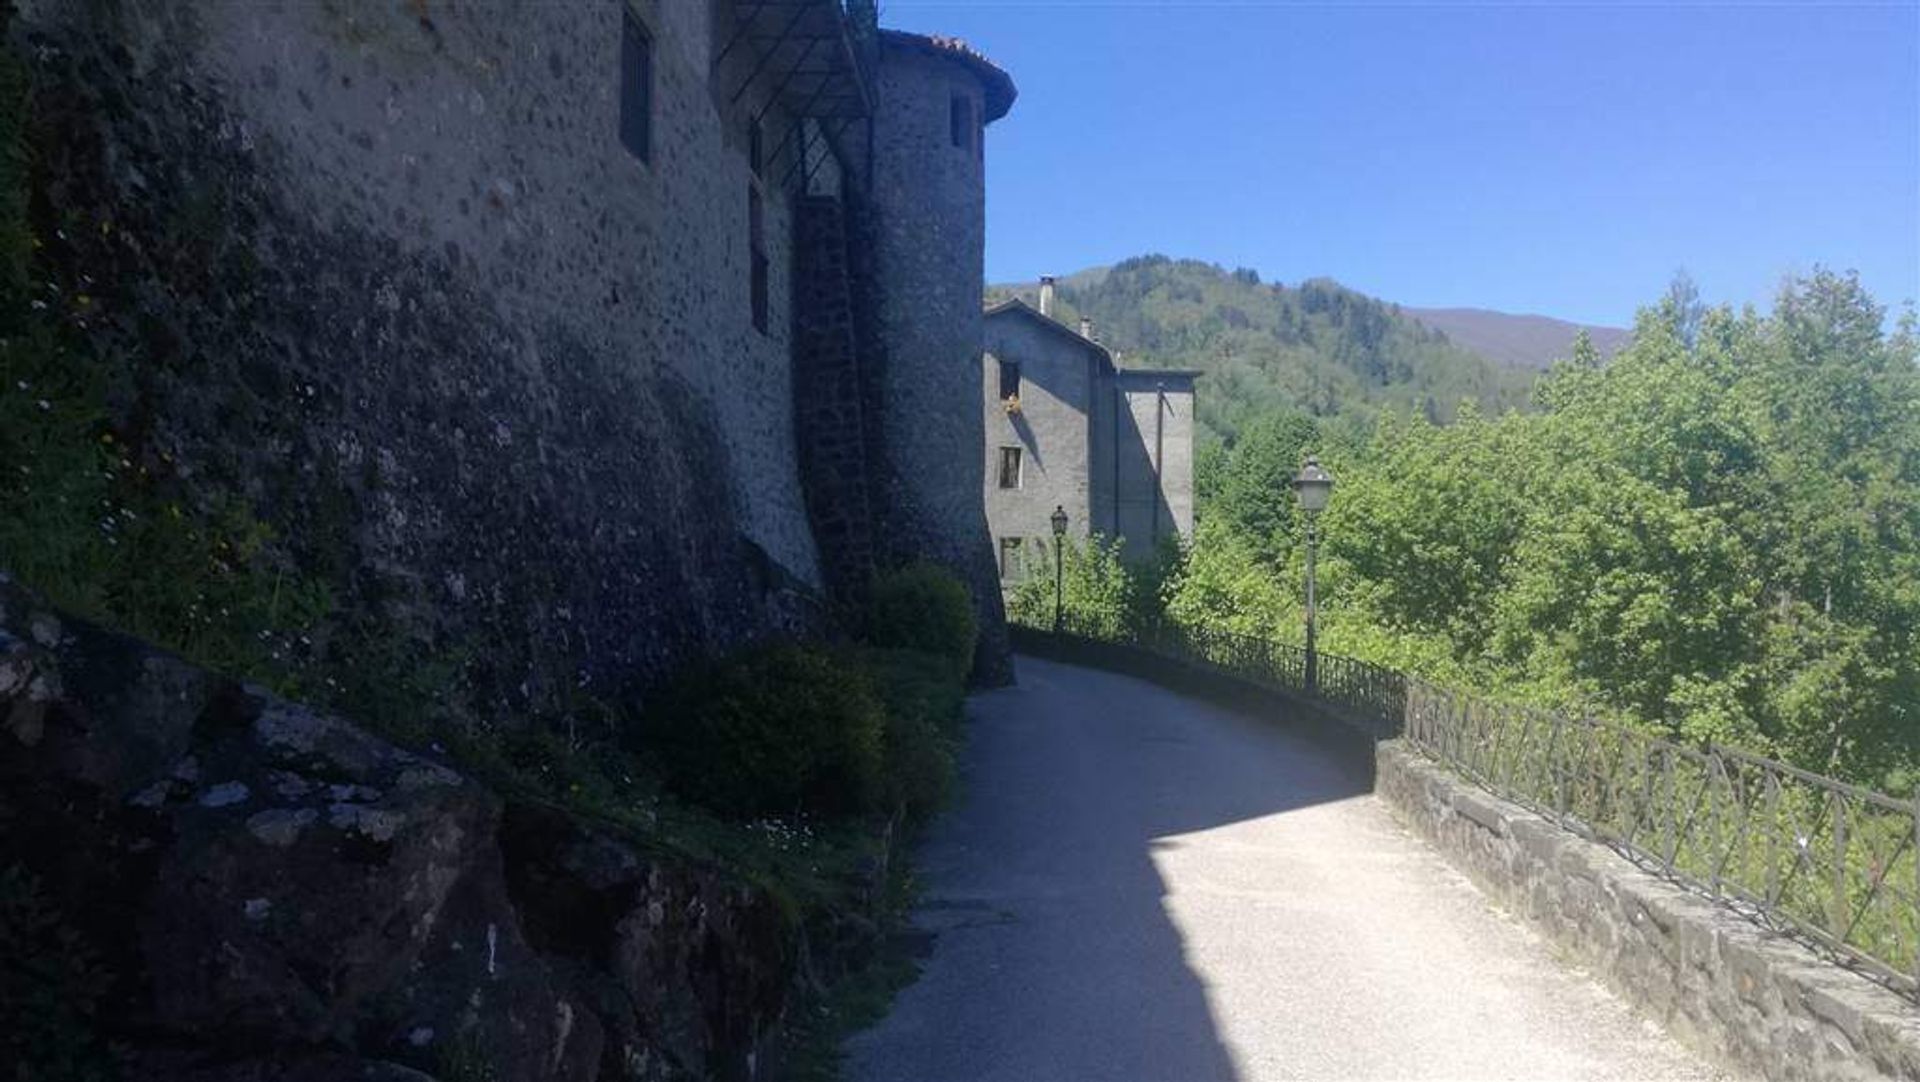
(1320, 347)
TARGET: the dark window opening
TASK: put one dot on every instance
(960, 121)
(1009, 380)
(636, 89)
(1009, 557)
(1009, 467)
(757, 242)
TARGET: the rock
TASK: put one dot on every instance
(367, 902)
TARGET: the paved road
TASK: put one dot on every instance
(1139, 885)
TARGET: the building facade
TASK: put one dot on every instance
(1067, 428)
(518, 324)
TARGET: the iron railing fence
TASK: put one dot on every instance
(1832, 862)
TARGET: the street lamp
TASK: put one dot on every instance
(1059, 535)
(1313, 486)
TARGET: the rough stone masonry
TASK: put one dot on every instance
(1730, 988)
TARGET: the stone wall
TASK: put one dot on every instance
(386, 272)
(1750, 997)
(926, 269)
(829, 399)
(1059, 400)
(231, 887)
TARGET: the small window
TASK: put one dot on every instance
(960, 121)
(636, 89)
(757, 241)
(1009, 467)
(1009, 380)
(1009, 558)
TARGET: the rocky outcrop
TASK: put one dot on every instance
(278, 893)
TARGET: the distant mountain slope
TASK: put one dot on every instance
(1319, 348)
(1528, 342)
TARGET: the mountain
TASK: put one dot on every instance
(1527, 342)
(1263, 348)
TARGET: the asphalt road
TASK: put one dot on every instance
(1142, 885)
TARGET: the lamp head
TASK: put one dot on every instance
(1059, 521)
(1313, 486)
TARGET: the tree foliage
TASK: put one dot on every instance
(1716, 533)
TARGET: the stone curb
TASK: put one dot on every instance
(1740, 993)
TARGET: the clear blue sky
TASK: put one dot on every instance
(1561, 159)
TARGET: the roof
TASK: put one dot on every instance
(1188, 374)
(1014, 306)
(997, 83)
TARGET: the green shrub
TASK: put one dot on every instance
(775, 730)
(924, 698)
(923, 607)
(1101, 596)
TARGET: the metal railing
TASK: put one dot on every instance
(1832, 862)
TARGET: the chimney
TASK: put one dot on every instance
(1086, 329)
(1046, 294)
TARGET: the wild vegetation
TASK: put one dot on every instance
(1716, 535)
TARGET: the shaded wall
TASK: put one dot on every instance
(925, 264)
(386, 272)
(1153, 461)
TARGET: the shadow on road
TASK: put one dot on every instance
(1055, 957)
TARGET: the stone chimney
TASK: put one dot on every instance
(1086, 329)
(1046, 294)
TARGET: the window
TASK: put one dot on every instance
(1009, 558)
(636, 89)
(757, 241)
(1009, 467)
(960, 121)
(1009, 380)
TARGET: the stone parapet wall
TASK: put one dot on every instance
(1744, 994)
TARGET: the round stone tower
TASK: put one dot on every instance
(927, 204)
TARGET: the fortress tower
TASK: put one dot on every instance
(926, 219)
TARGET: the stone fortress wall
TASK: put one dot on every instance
(928, 264)
(392, 277)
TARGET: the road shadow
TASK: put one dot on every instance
(1054, 956)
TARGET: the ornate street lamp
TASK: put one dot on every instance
(1313, 486)
(1059, 536)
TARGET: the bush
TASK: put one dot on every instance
(924, 699)
(775, 730)
(1100, 596)
(924, 607)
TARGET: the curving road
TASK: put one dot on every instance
(1142, 885)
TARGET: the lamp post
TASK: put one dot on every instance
(1059, 535)
(1313, 486)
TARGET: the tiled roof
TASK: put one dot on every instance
(997, 83)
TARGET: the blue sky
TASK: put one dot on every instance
(1564, 159)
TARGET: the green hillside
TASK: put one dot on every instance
(1266, 348)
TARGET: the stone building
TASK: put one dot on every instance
(577, 340)
(1066, 427)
